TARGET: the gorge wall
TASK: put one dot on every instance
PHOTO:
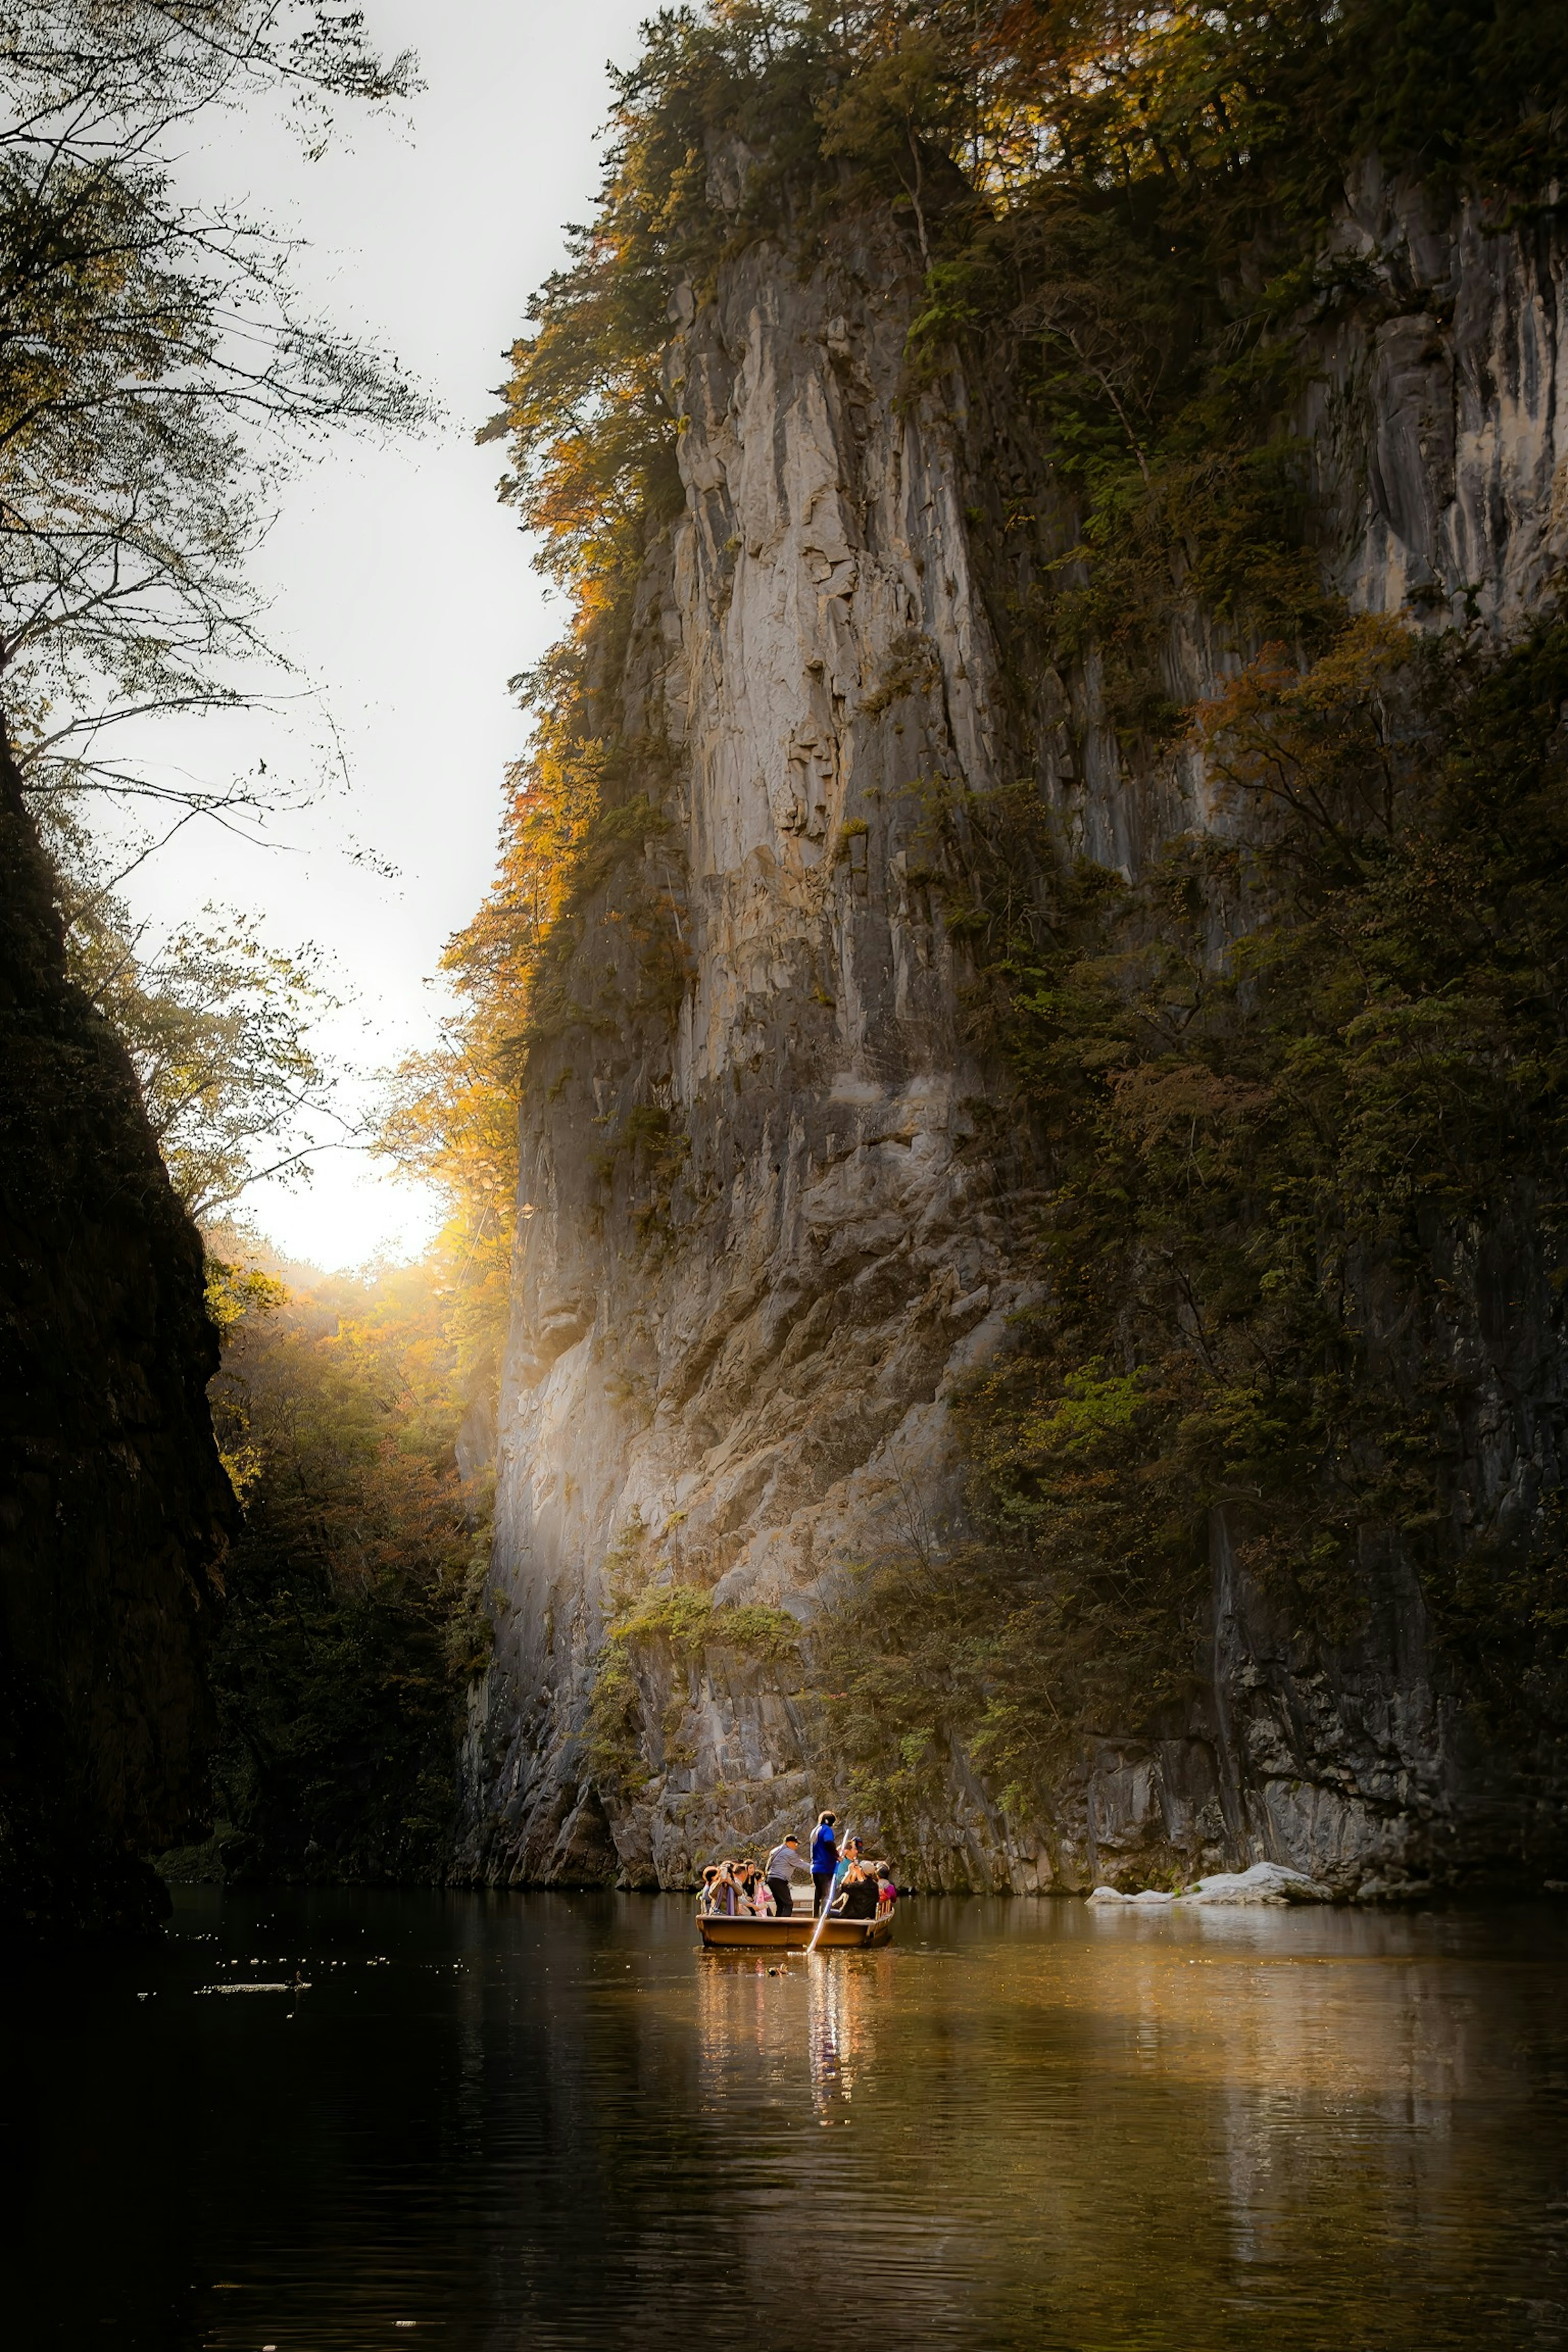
(114, 1507)
(769, 1225)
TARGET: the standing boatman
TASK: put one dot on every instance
(779, 1868)
(824, 1860)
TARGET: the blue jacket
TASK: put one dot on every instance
(824, 1848)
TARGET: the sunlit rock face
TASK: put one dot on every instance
(734, 1341)
(114, 1507)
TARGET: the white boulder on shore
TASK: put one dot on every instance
(1266, 1881)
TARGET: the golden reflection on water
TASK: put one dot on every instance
(1183, 2130)
(554, 2123)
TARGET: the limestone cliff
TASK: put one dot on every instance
(114, 1508)
(767, 1223)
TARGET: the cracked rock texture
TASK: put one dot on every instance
(737, 1324)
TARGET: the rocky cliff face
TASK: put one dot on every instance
(764, 1235)
(114, 1508)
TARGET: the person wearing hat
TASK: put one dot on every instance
(780, 1868)
(824, 1860)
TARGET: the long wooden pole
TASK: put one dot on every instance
(822, 1916)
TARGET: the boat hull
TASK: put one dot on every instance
(722, 1933)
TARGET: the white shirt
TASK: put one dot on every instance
(782, 1861)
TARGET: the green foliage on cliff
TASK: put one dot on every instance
(1118, 167)
(1117, 214)
(660, 1625)
(1138, 195)
(1305, 1240)
(1289, 1181)
(352, 1621)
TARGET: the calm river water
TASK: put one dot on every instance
(534, 2121)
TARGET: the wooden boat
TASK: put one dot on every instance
(721, 1933)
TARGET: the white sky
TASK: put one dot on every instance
(402, 591)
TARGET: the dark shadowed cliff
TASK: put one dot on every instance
(114, 1508)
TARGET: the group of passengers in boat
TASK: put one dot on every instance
(848, 1883)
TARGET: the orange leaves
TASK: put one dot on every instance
(1198, 1109)
(1331, 743)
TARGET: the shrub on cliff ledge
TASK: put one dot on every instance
(685, 1623)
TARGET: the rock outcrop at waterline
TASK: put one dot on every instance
(767, 1221)
(114, 1508)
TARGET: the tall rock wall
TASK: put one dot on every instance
(114, 1508)
(765, 1234)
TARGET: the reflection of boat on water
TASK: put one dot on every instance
(720, 1932)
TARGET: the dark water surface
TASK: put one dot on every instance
(547, 2120)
